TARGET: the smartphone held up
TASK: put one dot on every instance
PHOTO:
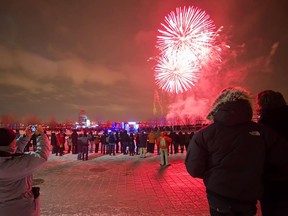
(33, 128)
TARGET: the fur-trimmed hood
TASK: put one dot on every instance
(233, 102)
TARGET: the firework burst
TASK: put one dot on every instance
(185, 44)
(174, 74)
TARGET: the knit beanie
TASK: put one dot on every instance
(6, 136)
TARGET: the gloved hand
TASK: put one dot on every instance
(39, 130)
(28, 131)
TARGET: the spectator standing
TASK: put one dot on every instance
(273, 112)
(137, 141)
(103, 142)
(96, 142)
(74, 137)
(111, 143)
(117, 141)
(186, 140)
(60, 143)
(151, 142)
(142, 144)
(17, 196)
(230, 155)
(69, 142)
(91, 141)
(181, 138)
(53, 141)
(121, 142)
(163, 142)
(131, 144)
(174, 143)
(79, 147)
(125, 141)
(157, 135)
(84, 140)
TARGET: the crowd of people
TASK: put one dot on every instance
(83, 142)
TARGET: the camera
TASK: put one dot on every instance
(33, 128)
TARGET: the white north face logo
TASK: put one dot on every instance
(255, 133)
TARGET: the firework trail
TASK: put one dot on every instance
(186, 44)
(158, 103)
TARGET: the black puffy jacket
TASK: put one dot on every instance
(230, 154)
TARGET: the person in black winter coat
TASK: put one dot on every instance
(231, 155)
(142, 144)
(131, 144)
(74, 137)
(273, 112)
(53, 142)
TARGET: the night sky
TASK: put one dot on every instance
(58, 57)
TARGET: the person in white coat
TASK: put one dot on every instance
(17, 196)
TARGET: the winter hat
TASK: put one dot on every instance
(228, 95)
(6, 136)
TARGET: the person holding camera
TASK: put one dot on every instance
(17, 196)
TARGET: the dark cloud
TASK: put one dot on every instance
(60, 57)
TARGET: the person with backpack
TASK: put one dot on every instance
(163, 142)
(111, 143)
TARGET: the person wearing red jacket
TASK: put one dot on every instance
(163, 143)
(60, 143)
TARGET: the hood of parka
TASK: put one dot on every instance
(231, 107)
(235, 112)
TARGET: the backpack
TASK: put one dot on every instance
(162, 142)
(111, 138)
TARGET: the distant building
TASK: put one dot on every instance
(83, 120)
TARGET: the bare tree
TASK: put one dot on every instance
(6, 120)
(52, 123)
(10, 120)
(32, 119)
